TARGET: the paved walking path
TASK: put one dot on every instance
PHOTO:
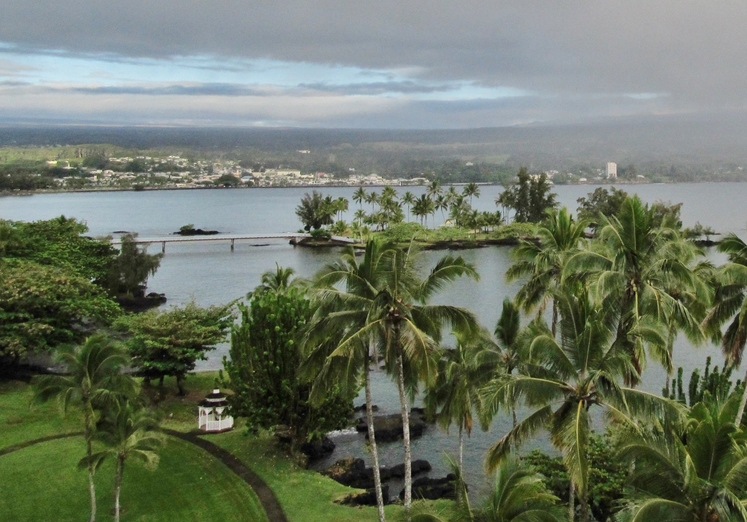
(266, 496)
(26, 444)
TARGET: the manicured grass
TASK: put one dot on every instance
(41, 482)
(306, 496)
(22, 421)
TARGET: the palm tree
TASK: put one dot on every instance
(633, 265)
(279, 279)
(408, 199)
(128, 431)
(383, 308)
(441, 203)
(541, 262)
(434, 188)
(423, 207)
(359, 196)
(730, 302)
(93, 380)
(518, 494)
(454, 396)
(341, 205)
(564, 378)
(697, 474)
(372, 198)
(471, 189)
(507, 334)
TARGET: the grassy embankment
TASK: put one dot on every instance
(452, 237)
(42, 482)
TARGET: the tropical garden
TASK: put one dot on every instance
(601, 296)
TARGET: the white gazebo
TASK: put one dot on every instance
(211, 418)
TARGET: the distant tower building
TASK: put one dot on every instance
(611, 170)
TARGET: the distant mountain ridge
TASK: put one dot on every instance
(661, 139)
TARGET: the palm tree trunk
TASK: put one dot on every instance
(584, 508)
(405, 435)
(372, 442)
(92, 491)
(89, 451)
(461, 450)
(118, 486)
(572, 502)
(742, 403)
(554, 318)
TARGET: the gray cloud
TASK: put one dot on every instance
(202, 89)
(568, 52)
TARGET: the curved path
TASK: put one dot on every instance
(266, 497)
(21, 445)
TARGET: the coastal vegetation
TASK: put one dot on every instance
(599, 297)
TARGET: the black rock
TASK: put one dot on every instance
(350, 472)
(433, 489)
(367, 498)
(389, 427)
(318, 449)
(418, 466)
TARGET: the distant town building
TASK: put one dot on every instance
(611, 170)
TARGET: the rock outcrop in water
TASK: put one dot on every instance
(389, 427)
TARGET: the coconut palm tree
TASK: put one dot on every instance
(633, 264)
(373, 199)
(128, 431)
(434, 188)
(281, 278)
(359, 196)
(408, 199)
(730, 305)
(383, 308)
(507, 334)
(423, 207)
(441, 203)
(693, 475)
(453, 398)
(471, 189)
(518, 494)
(93, 380)
(564, 378)
(541, 262)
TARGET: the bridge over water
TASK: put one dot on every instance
(224, 237)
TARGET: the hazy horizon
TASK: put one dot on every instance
(382, 65)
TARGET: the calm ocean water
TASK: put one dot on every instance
(210, 273)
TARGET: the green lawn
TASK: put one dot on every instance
(41, 482)
(21, 421)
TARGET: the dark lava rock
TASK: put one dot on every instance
(389, 427)
(433, 489)
(196, 232)
(362, 408)
(140, 303)
(318, 449)
(367, 498)
(350, 472)
(418, 466)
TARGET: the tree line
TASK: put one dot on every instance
(602, 295)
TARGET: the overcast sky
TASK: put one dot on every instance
(375, 63)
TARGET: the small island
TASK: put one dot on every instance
(190, 230)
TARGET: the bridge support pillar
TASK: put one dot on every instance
(163, 247)
(232, 244)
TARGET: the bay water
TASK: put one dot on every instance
(210, 273)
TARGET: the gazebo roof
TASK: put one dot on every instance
(214, 399)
